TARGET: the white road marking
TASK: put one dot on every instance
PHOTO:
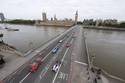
(43, 73)
(48, 66)
(63, 76)
(67, 76)
(46, 56)
(81, 63)
(37, 51)
(25, 77)
(60, 65)
(30, 72)
(60, 75)
(10, 81)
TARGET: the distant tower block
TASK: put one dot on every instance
(76, 17)
(2, 18)
(97, 23)
(55, 19)
(44, 17)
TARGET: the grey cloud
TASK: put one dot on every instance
(32, 9)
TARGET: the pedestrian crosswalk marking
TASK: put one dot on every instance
(63, 76)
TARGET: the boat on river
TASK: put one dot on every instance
(1, 35)
(10, 29)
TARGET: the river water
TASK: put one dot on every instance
(29, 37)
(108, 47)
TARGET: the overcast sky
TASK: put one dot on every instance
(32, 9)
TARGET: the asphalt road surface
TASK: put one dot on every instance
(45, 74)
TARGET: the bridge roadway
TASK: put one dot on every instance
(44, 73)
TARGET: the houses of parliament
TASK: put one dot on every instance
(55, 22)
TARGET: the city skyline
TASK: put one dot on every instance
(30, 9)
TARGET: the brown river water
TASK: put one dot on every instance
(108, 47)
(29, 37)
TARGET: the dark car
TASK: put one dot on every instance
(68, 45)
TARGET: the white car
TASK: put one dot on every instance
(55, 67)
(60, 41)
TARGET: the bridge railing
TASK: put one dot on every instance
(91, 78)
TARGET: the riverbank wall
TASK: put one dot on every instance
(55, 24)
(104, 28)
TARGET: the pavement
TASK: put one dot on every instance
(79, 59)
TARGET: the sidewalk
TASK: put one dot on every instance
(78, 71)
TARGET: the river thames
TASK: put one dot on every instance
(108, 47)
(29, 37)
